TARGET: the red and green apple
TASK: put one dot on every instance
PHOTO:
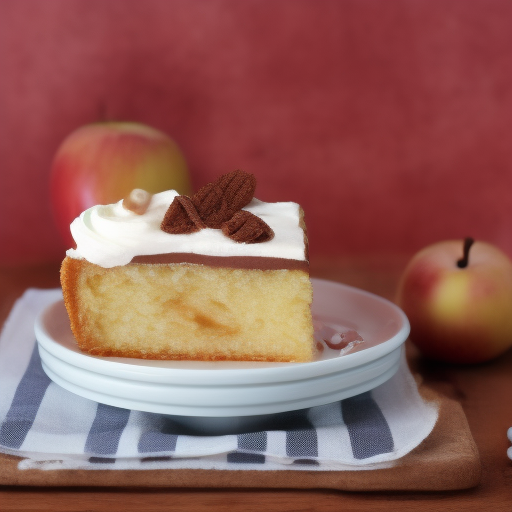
(102, 163)
(458, 298)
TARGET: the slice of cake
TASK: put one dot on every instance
(217, 276)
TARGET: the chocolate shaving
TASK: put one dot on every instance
(182, 217)
(217, 202)
(245, 227)
(218, 205)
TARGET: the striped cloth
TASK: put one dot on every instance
(52, 428)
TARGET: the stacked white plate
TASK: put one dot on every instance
(193, 390)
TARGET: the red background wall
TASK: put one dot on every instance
(389, 121)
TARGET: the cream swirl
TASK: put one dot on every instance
(111, 235)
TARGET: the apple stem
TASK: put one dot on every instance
(463, 262)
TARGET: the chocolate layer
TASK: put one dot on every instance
(243, 262)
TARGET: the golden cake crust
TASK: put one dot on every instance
(202, 324)
(69, 273)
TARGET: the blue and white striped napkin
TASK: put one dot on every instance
(52, 428)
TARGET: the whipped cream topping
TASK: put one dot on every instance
(111, 235)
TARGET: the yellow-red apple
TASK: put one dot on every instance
(458, 298)
(101, 163)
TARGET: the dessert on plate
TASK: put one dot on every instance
(217, 276)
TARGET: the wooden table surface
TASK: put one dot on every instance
(485, 392)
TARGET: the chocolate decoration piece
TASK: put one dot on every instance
(218, 205)
(182, 217)
(217, 202)
(245, 227)
(211, 206)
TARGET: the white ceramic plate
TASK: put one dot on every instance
(235, 389)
